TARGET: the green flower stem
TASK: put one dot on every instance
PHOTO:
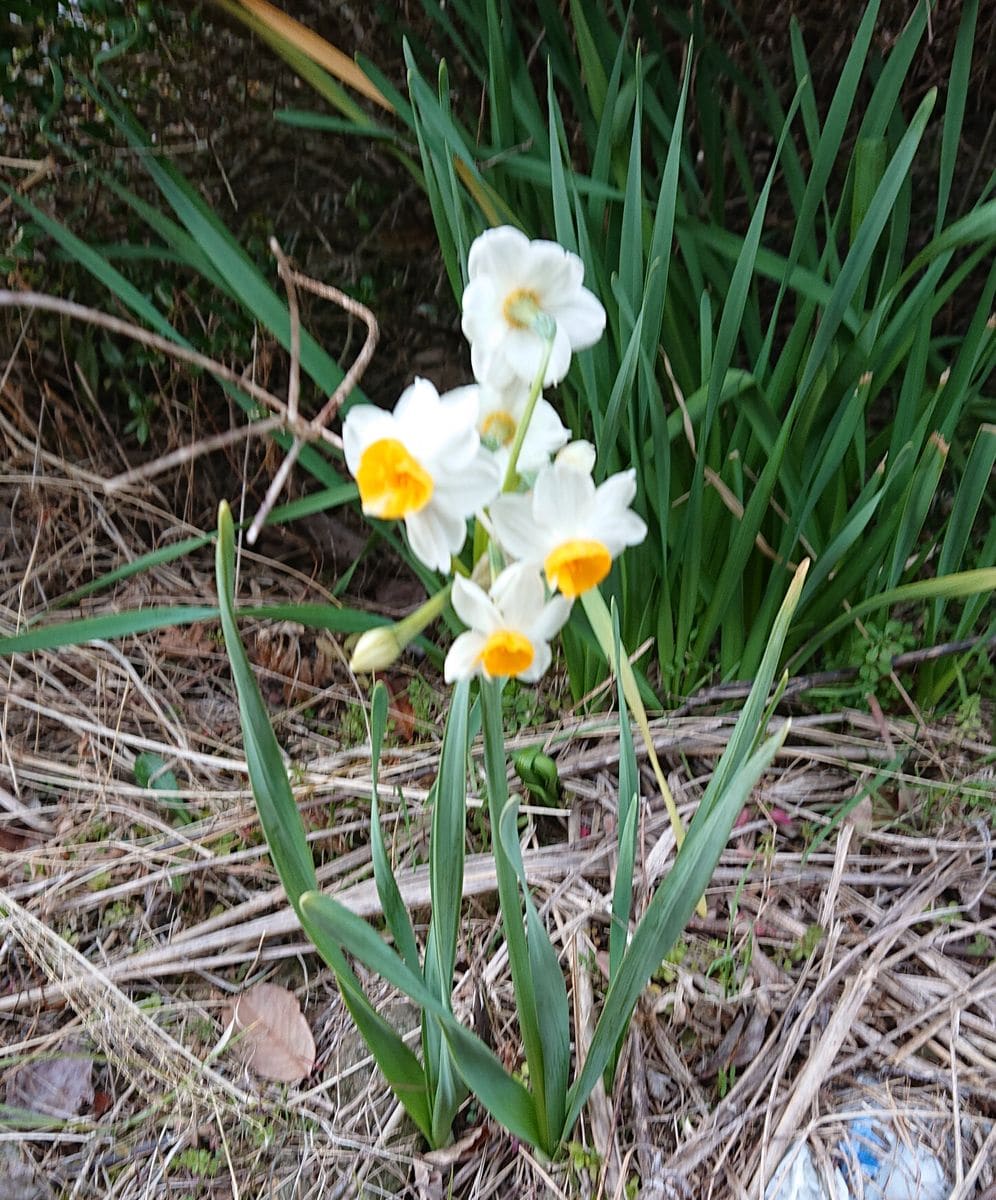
(378, 648)
(408, 628)
(546, 327)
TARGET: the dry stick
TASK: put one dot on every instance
(316, 427)
(352, 377)
(94, 316)
(730, 1116)
(40, 169)
(293, 394)
(287, 415)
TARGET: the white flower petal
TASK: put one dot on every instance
(418, 402)
(470, 488)
(518, 593)
(467, 389)
(618, 530)
(617, 491)
(490, 363)
(435, 535)
(582, 318)
(552, 272)
(474, 607)
(503, 265)
(560, 358)
(562, 496)
(463, 659)
(521, 350)
(481, 305)
(545, 435)
(499, 253)
(552, 619)
(516, 529)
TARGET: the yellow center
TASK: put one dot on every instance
(575, 566)
(506, 652)
(392, 484)
(521, 307)
(498, 429)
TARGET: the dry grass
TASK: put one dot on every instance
(857, 973)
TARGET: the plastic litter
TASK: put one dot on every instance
(877, 1165)
(891, 1169)
(798, 1179)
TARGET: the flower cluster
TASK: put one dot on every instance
(436, 461)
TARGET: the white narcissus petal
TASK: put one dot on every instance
(556, 524)
(545, 435)
(474, 487)
(551, 272)
(518, 593)
(562, 493)
(618, 491)
(560, 358)
(430, 536)
(620, 529)
(540, 664)
(553, 618)
(418, 402)
(440, 476)
(473, 606)
(462, 659)
(497, 252)
(515, 528)
(582, 319)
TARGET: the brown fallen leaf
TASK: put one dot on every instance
(273, 1032)
(57, 1085)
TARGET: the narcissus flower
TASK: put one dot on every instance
(566, 525)
(498, 415)
(422, 464)
(512, 281)
(510, 629)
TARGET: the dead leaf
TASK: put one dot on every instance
(274, 1033)
(861, 817)
(469, 1146)
(56, 1085)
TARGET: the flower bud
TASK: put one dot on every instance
(376, 650)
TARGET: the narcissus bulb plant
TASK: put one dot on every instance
(567, 525)
(422, 464)
(512, 281)
(436, 461)
(509, 630)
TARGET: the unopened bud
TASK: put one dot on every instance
(376, 650)
(579, 455)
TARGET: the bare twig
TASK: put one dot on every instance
(287, 413)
